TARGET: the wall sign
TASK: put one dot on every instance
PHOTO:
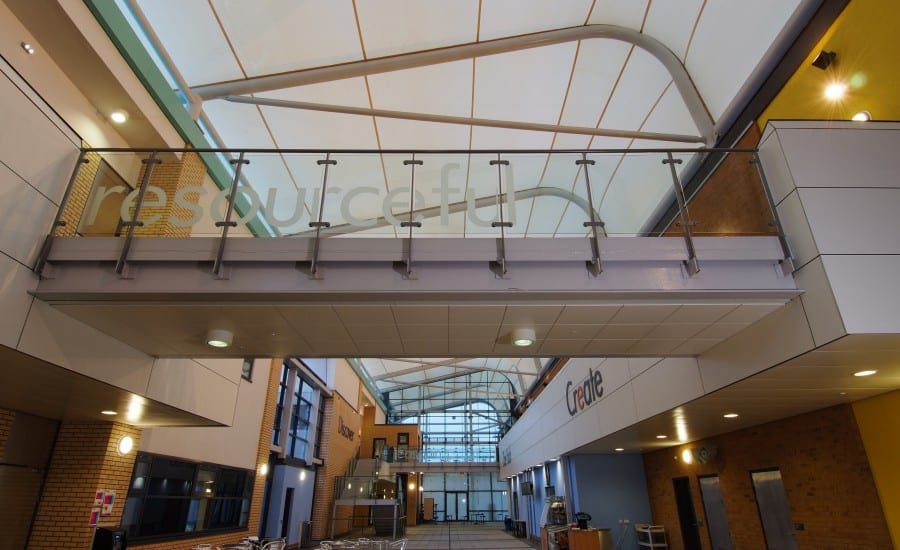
(585, 393)
(344, 430)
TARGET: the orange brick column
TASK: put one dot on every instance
(84, 459)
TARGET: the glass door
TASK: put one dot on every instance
(457, 506)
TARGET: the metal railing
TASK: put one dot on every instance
(439, 454)
(407, 194)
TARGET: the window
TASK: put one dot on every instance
(299, 399)
(169, 497)
(247, 370)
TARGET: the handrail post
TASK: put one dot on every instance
(319, 224)
(58, 222)
(593, 266)
(499, 266)
(406, 265)
(787, 264)
(227, 223)
(691, 264)
(150, 163)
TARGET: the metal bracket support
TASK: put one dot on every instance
(405, 267)
(593, 265)
(320, 224)
(227, 223)
(150, 163)
(498, 267)
(691, 265)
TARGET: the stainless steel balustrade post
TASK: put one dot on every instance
(499, 266)
(58, 221)
(593, 266)
(691, 264)
(406, 265)
(787, 264)
(150, 162)
(319, 224)
(227, 223)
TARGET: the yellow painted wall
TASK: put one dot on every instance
(865, 39)
(879, 425)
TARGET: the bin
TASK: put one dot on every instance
(304, 535)
(507, 524)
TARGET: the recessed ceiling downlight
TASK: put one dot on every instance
(523, 337)
(219, 338)
(661, 436)
(730, 415)
(865, 373)
(119, 116)
(109, 412)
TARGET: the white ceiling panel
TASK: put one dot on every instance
(615, 12)
(718, 71)
(671, 115)
(238, 125)
(397, 26)
(408, 134)
(512, 17)
(443, 89)
(274, 36)
(291, 128)
(672, 21)
(640, 87)
(503, 139)
(596, 71)
(193, 40)
(525, 86)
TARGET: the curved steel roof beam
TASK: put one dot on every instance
(670, 61)
(460, 206)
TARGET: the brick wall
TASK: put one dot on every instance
(824, 469)
(745, 211)
(84, 459)
(338, 452)
(6, 421)
(170, 176)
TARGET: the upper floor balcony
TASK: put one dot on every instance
(142, 236)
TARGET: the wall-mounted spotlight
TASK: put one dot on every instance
(824, 59)
(125, 445)
(29, 49)
(219, 338)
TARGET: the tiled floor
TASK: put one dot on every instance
(461, 536)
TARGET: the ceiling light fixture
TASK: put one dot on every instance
(109, 413)
(865, 373)
(862, 116)
(29, 49)
(730, 415)
(824, 60)
(523, 337)
(219, 338)
(835, 91)
(119, 116)
(687, 456)
(661, 436)
(618, 449)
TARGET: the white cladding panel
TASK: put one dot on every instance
(57, 338)
(549, 428)
(191, 386)
(16, 281)
(867, 290)
(234, 445)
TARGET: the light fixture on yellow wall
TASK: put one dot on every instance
(862, 116)
(824, 60)
(836, 91)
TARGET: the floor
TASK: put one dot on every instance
(462, 536)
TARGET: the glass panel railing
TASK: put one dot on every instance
(354, 487)
(441, 453)
(466, 194)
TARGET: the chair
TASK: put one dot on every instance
(276, 544)
(399, 544)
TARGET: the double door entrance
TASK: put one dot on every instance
(456, 505)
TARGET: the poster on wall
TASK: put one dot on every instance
(109, 498)
(98, 498)
(94, 518)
